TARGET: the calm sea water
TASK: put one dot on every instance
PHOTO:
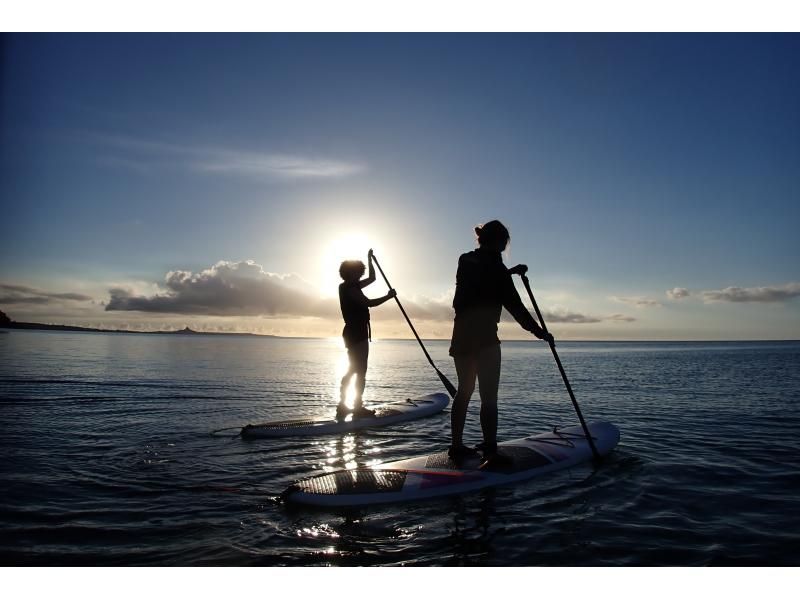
(108, 457)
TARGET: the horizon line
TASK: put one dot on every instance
(46, 328)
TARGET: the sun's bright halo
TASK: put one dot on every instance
(353, 246)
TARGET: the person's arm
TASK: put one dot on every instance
(371, 277)
(378, 301)
(514, 305)
(361, 299)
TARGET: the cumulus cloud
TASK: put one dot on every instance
(11, 294)
(144, 156)
(227, 289)
(246, 289)
(754, 294)
(678, 293)
(637, 301)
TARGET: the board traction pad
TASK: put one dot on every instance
(297, 423)
(356, 481)
(368, 481)
(523, 458)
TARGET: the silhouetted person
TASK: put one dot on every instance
(357, 333)
(483, 288)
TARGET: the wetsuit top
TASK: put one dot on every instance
(483, 288)
(355, 311)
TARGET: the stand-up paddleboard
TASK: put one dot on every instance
(437, 475)
(390, 413)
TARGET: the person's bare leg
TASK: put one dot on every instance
(360, 360)
(466, 370)
(488, 385)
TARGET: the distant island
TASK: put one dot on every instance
(6, 322)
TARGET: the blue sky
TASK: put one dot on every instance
(625, 166)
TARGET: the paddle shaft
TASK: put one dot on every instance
(527, 284)
(447, 384)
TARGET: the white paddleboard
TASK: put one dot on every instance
(437, 475)
(390, 413)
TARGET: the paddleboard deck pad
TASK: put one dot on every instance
(438, 475)
(385, 415)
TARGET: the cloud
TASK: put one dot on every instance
(678, 293)
(563, 315)
(274, 165)
(423, 308)
(568, 317)
(227, 289)
(11, 294)
(620, 318)
(754, 294)
(144, 156)
(637, 301)
(246, 289)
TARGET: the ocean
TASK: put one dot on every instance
(109, 459)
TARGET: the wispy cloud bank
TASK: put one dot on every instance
(11, 294)
(274, 165)
(424, 308)
(678, 293)
(565, 316)
(637, 301)
(620, 318)
(773, 294)
(144, 156)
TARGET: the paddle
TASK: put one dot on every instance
(527, 284)
(447, 384)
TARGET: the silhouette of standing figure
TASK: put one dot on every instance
(357, 332)
(483, 288)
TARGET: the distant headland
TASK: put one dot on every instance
(6, 322)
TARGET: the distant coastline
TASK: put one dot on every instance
(6, 322)
(63, 328)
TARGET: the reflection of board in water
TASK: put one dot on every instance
(390, 413)
(437, 475)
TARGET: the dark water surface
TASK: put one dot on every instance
(108, 460)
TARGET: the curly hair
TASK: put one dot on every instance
(351, 269)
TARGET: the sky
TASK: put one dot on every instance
(651, 183)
